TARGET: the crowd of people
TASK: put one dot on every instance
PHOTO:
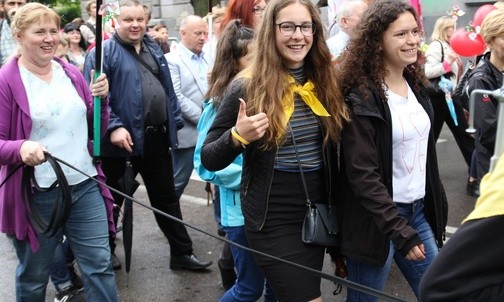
(271, 112)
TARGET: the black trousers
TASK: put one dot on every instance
(442, 115)
(156, 169)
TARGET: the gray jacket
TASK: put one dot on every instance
(190, 87)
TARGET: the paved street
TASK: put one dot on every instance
(150, 278)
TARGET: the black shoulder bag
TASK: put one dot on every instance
(320, 225)
(434, 89)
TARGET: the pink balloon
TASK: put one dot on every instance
(463, 45)
(481, 13)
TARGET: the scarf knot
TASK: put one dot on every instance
(306, 92)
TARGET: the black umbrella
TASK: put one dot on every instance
(128, 185)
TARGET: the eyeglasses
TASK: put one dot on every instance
(289, 28)
(258, 10)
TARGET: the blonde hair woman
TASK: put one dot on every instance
(47, 105)
(441, 60)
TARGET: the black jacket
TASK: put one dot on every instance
(368, 215)
(470, 266)
(257, 174)
(485, 76)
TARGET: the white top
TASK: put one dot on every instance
(59, 122)
(410, 133)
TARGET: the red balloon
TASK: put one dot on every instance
(463, 45)
(481, 13)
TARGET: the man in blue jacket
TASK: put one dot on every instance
(144, 120)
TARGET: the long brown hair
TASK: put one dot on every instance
(266, 78)
(362, 64)
(232, 45)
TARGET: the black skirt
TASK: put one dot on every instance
(281, 237)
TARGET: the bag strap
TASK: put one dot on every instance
(91, 27)
(442, 51)
(308, 201)
(138, 58)
(142, 61)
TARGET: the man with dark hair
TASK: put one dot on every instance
(7, 42)
(144, 118)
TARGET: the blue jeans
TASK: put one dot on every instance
(250, 282)
(376, 277)
(59, 270)
(183, 166)
(87, 232)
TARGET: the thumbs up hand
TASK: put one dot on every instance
(251, 128)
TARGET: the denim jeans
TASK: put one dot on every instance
(87, 232)
(183, 165)
(59, 270)
(376, 277)
(250, 282)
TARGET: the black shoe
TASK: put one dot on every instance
(221, 232)
(116, 264)
(66, 294)
(76, 280)
(472, 188)
(189, 262)
(228, 275)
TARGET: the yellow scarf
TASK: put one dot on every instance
(306, 94)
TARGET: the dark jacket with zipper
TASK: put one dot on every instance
(368, 216)
(485, 76)
(126, 104)
(257, 174)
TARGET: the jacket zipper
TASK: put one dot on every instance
(269, 191)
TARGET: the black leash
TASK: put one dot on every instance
(335, 279)
(61, 206)
(61, 211)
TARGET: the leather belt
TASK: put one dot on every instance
(155, 129)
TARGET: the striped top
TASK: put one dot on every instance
(307, 133)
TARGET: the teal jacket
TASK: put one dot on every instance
(228, 179)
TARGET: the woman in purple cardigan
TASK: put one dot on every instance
(46, 105)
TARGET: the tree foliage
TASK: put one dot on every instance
(201, 6)
(67, 9)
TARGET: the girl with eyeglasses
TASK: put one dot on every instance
(289, 90)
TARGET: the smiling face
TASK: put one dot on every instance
(132, 24)
(74, 36)
(39, 43)
(293, 48)
(400, 42)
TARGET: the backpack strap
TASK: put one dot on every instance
(91, 27)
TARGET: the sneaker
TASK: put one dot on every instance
(65, 294)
